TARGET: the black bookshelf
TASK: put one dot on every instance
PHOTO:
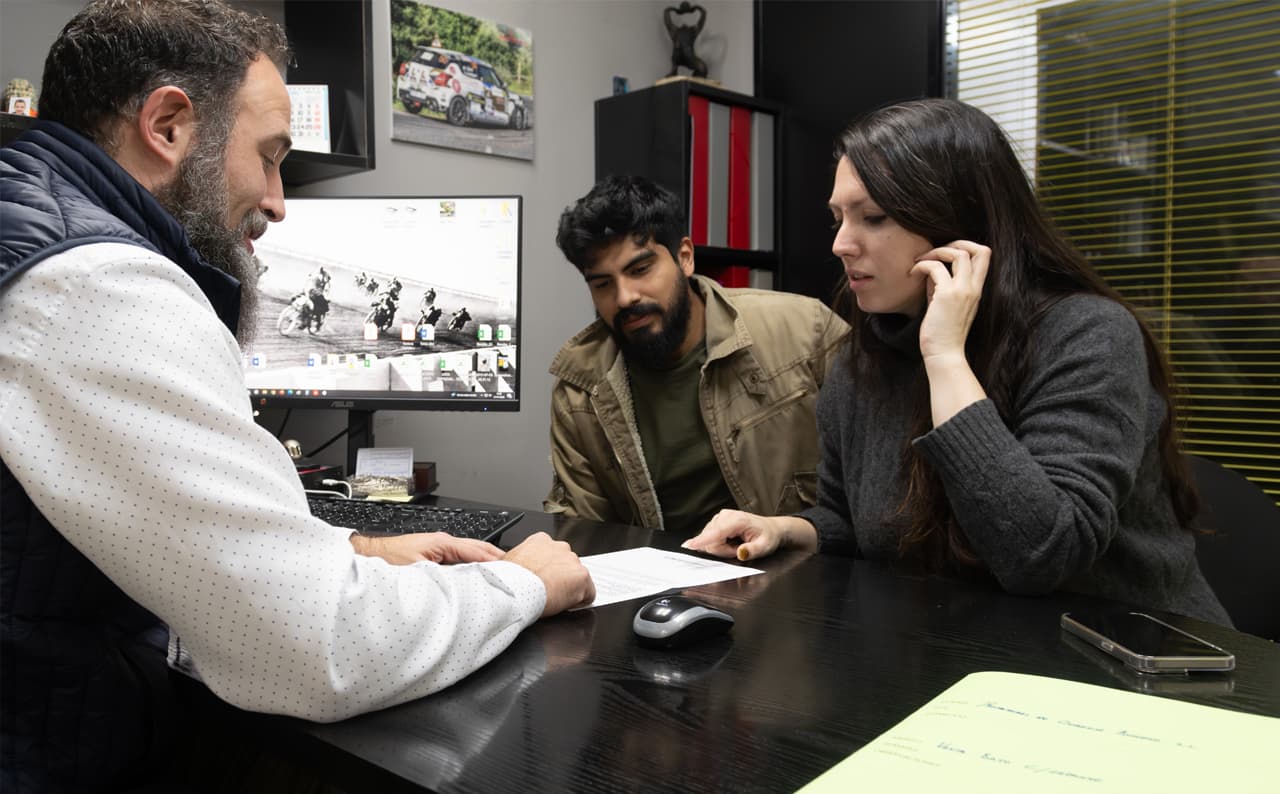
(332, 42)
(648, 133)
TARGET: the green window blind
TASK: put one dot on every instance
(1152, 132)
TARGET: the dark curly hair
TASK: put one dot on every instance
(114, 53)
(619, 206)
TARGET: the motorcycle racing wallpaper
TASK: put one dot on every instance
(386, 297)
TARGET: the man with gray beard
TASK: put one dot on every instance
(144, 516)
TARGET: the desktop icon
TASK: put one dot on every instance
(504, 332)
(406, 332)
(258, 360)
(427, 333)
(484, 332)
(333, 359)
(370, 332)
(313, 359)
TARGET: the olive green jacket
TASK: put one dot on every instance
(767, 354)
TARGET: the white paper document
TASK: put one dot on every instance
(996, 732)
(634, 573)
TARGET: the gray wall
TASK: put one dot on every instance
(578, 46)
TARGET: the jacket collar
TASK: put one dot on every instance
(102, 181)
(586, 359)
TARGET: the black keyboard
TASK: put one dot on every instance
(399, 518)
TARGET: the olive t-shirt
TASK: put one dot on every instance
(686, 476)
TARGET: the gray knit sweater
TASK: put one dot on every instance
(1068, 495)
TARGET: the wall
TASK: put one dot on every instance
(578, 46)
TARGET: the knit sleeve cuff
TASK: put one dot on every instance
(967, 442)
(835, 536)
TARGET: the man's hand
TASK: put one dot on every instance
(567, 580)
(429, 546)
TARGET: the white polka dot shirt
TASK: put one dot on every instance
(124, 414)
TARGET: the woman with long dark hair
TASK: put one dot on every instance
(1001, 411)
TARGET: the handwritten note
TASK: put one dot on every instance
(1010, 732)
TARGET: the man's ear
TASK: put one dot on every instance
(686, 256)
(162, 135)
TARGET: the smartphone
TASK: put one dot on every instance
(1147, 644)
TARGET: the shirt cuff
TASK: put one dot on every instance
(526, 589)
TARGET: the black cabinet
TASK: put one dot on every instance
(718, 151)
(332, 42)
(828, 61)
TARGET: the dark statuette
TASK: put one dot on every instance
(682, 38)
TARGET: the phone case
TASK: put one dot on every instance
(1221, 661)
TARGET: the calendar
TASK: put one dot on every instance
(309, 120)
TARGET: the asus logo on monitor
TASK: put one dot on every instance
(342, 404)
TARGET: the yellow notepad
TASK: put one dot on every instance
(1010, 732)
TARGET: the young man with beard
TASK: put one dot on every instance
(143, 513)
(683, 397)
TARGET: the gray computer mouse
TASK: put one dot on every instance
(672, 621)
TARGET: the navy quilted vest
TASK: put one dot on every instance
(85, 703)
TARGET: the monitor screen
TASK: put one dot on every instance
(399, 303)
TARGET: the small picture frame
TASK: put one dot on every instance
(620, 85)
(20, 106)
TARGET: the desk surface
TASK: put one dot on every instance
(826, 654)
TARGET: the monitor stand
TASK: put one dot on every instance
(359, 434)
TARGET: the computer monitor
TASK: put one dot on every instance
(389, 303)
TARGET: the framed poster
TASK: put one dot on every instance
(461, 82)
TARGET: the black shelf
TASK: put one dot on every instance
(332, 42)
(718, 255)
(648, 133)
(13, 125)
(301, 167)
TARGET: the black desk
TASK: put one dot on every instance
(827, 653)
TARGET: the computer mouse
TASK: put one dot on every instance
(673, 621)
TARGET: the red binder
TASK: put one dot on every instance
(729, 275)
(739, 233)
(698, 168)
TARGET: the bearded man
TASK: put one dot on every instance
(683, 397)
(144, 516)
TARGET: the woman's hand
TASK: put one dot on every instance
(733, 533)
(426, 546)
(955, 273)
(953, 295)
